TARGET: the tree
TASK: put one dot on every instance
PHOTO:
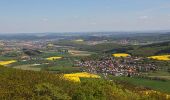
(168, 70)
(51, 92)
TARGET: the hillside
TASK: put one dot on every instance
(152, 49)
(137, 50)
(19, 84)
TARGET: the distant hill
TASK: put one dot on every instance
(139, 36)
(152, 49)
(144, 50)
(160, 44)
(136, 50)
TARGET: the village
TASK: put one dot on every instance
(123, 66)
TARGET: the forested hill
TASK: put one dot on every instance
(136, 50)
(152, 49)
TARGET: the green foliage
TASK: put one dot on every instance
(169, 70)
(99, 89)
(30, 85)
(12, 54)
(50, 91)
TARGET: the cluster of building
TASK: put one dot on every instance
(117, 66)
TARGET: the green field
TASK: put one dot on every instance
(51, 54)
(159, 73)
(27, 67)
(4, 58)
(61, 69)
(163, 86)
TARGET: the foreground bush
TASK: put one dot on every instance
(30, 85)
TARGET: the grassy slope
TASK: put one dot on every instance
(152, 49)
(153, 84)
(19, 84)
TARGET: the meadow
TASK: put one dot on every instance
(157, 85)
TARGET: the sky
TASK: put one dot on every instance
(24, 16)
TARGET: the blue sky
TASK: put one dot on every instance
(18, 16)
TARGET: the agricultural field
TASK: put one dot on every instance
(62, 69)
(47, 54)
(79, 53)
(121, 55)
(54, 58)
(161, 57)
(157, 85)
(4, 58)
(65, 65)
(160, 74)
(79, 40)
(4, 63)
(75, 77)
(28, 67)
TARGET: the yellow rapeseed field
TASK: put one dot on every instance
(120, 55)
(161, 57)
(75, 77)
(53, 58)
(7, 62)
